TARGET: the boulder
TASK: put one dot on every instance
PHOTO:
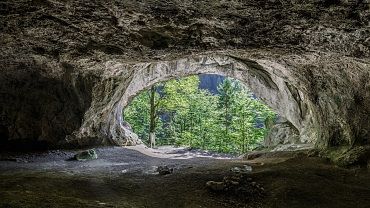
(215, 186)
(86, 155)
(164, 170)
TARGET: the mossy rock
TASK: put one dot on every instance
(86, 155)
(351, 157)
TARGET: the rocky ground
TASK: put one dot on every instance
(128, 177)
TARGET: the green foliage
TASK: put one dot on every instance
(137, 114)
(232, 121)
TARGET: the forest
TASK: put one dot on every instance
(178, 112)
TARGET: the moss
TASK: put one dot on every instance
(346, 156)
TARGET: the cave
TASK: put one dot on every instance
(272, 89)
(69, 68)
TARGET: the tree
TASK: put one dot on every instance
(177, 100)
(180, 113)
(142, 113)
(137, 114)
(227, 96)
(249, 117)
(153, 115)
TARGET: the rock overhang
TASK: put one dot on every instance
(284, 77)
(62, 60)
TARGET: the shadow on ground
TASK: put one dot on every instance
(127, 178)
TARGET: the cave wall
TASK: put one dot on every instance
(38, 108)
(68, 67)
(280, 132)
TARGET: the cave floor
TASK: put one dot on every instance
(127, 178)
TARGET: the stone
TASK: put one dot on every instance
(86, 155)
(253, 155)
(215, 186)
(281, 131)
(164, 170)
(235, 169)
(244, 169)
(292, 147)
(238, 185)
(247, 168)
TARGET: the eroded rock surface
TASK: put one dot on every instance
(68, 68)
(281, 131)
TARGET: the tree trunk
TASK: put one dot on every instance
(153, 116)
(152, 139)
(243, 132)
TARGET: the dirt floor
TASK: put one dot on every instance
(128, 177)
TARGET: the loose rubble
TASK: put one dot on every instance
(239, 185)
(244, 169)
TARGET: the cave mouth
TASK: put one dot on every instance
(208, 112)
(269, 81)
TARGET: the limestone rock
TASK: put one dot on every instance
(281, 132)
(86, 155)
(68, 68)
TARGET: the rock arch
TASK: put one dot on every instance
(270, 81)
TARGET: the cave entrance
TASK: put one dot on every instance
(269, 81)
(208, 112)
